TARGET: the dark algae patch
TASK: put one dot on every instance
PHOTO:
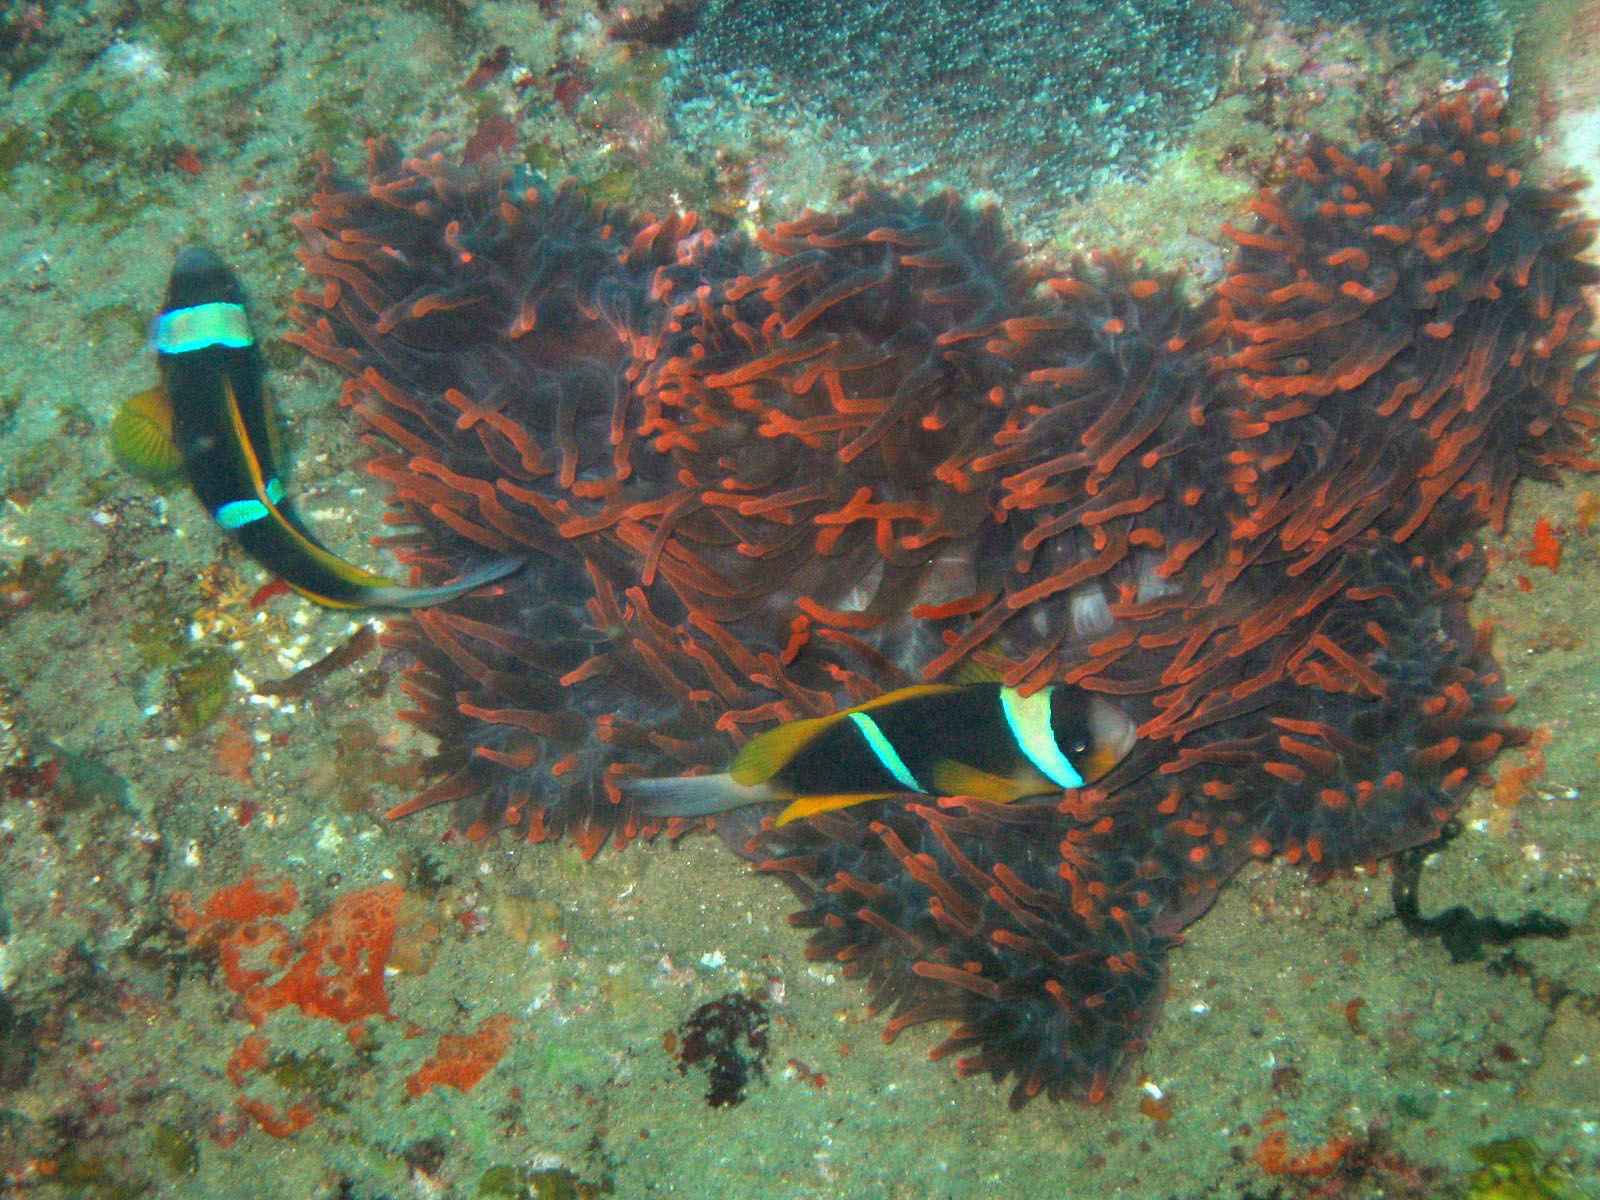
(33, 581)
(727, 1039)
(19, 1047)
(1460, 931)
(175, 1149)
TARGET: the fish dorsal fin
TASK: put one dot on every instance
(764, 755)
(899, 694)
(958, 779)
(141, 436)
(970, 671)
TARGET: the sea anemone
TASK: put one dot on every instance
(761, 481)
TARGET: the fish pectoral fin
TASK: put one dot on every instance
(810, 806)
(958, 779)
(141, 436)
(1099, 761)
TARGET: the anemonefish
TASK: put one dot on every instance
(950, 739)
(218, 420)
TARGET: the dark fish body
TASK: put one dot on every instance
(223, 429)
(981, 739)
(214, 373)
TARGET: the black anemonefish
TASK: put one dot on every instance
(219, 423)
(952, 739)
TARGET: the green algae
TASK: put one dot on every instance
(160, 636)
(363, 762)
(500, 1181)
(1509, 1173)
(78, 129)
(188, 40)
(175, 1150)
(17, 146)
(616, 186)
(280, 357)
(568, 1058)
(74, 420)
(199, 676)
(87, 781)
(1416, 1106)
(38, 467)
(19, 1043)
(429, 876)
(551, 1183)
(94, 1175)
(334, 119)
(88, 166)
(315, 1075)
(97, 489)
(200, 687)
(118, 320)
(541, 156)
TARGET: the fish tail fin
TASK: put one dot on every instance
(695, 795)
(399, 596)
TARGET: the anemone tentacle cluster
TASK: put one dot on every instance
(763, 480)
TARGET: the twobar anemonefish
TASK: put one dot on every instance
(950, 739)
(224, 433)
